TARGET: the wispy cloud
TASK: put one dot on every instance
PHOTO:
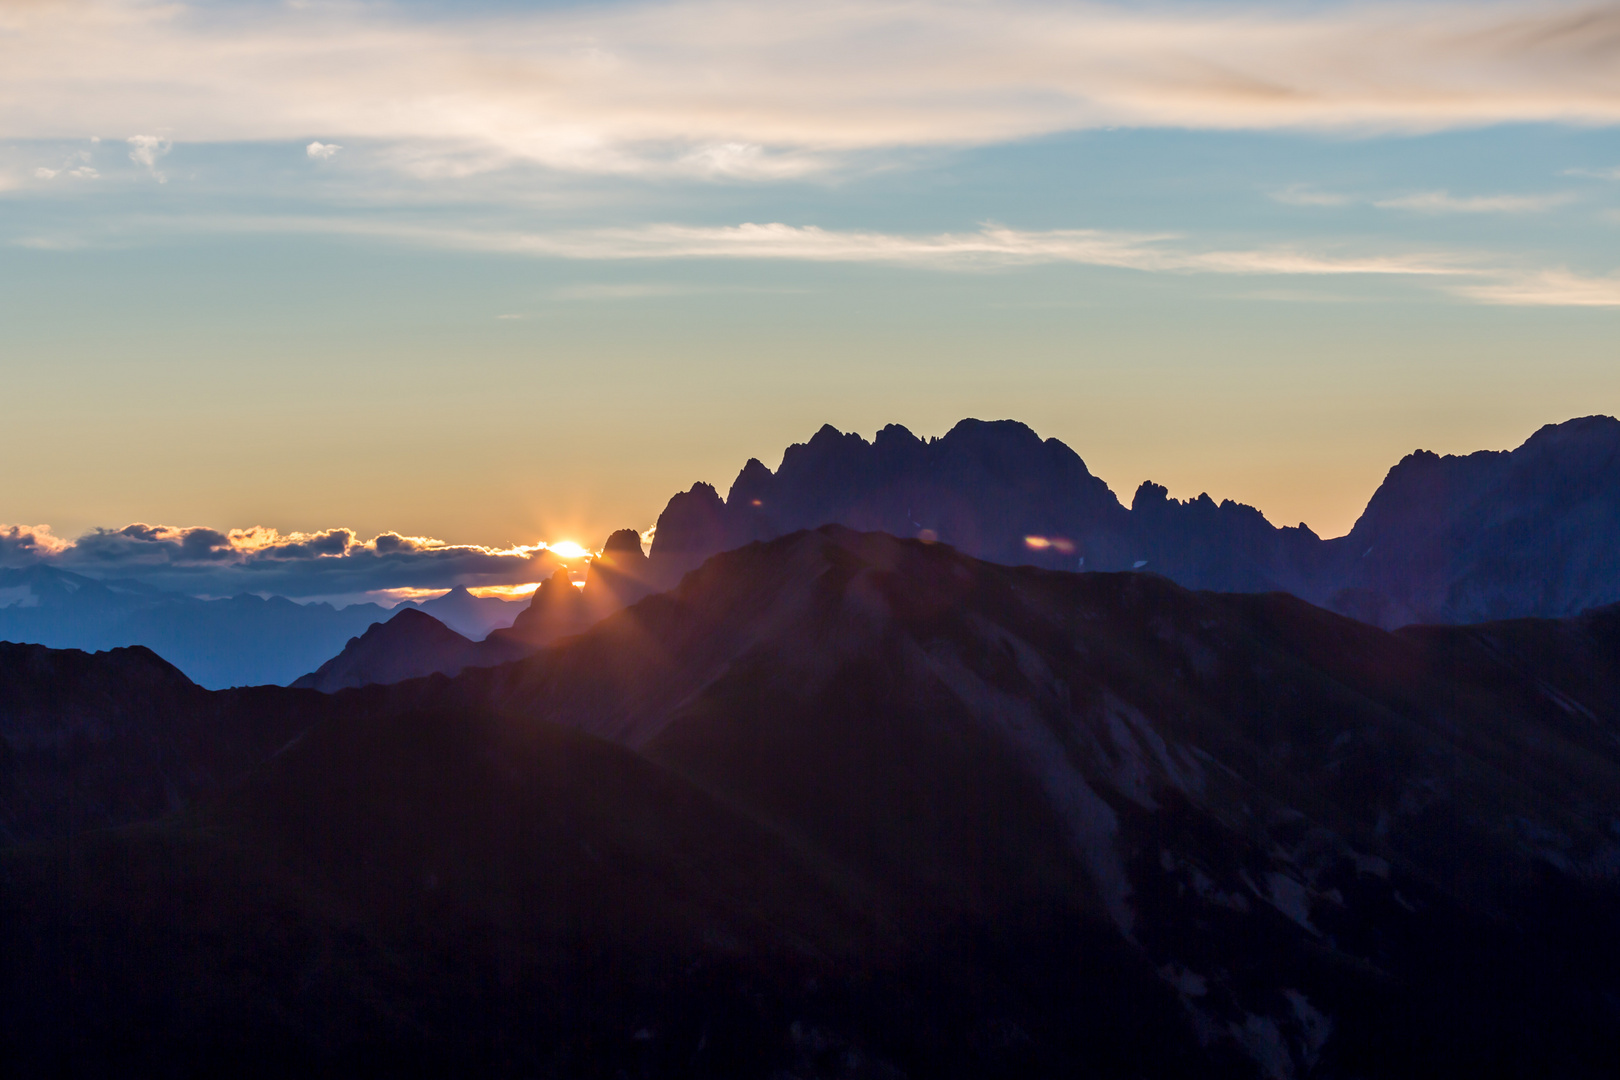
(990, 246)
(1304, 196)
(777, 89)
(1477, 276)
(1547, 288)
(642, 290)
(1595, 174)
(1443, 202)
(1428, 202)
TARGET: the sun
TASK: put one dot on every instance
(567, 549)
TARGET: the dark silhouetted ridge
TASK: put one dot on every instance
(1493, 535)
(841, 804)
(409, 645)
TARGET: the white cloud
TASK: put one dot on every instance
(989, 247)
(1303, 196)
(1432, 202)
(1548, 288)
(1443, 202)
(322, 151)
(146, 149)
(759, 90)
(1596, 174)
(1470, 276)
(46, 174)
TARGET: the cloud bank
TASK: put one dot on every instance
(201, 561)
(775, 89)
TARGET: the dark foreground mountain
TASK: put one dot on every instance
(844, 805)
(410, 644)
(1493, 535)
(88, 741)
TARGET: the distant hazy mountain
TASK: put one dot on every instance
(243, 641)
(1531, 532)
(472, 616)
(846, 805)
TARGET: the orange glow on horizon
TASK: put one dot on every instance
(505, 592)
(403, 593)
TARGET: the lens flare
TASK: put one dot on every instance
(567, 549)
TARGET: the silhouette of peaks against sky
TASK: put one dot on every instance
(493, 272)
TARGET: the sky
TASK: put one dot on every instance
(491, 275)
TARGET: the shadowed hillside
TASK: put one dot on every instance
(845, 805)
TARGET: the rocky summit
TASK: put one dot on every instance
(1452, 539)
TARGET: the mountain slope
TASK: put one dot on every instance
(880, 809)
(93, 740)
(1493, 535)
(409, 645)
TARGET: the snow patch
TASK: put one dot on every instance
(1291, 898)
(18, 596)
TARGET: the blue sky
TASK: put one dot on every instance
(513, 273)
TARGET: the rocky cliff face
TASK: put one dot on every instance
(1492, 535)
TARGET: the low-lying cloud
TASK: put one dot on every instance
(743, 89)
(201, 561)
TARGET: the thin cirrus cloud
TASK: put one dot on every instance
(1443, 202)
(988, 247)
(777, 90)
(202, 561)
(1429, 202)
(1548, 288)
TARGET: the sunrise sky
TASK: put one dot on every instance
(503, 273)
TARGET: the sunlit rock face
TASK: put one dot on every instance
(1531, 532)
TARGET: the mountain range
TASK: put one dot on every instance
(1492, 535)
(840, 805)
(245, 640)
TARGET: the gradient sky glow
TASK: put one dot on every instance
(516, 272)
